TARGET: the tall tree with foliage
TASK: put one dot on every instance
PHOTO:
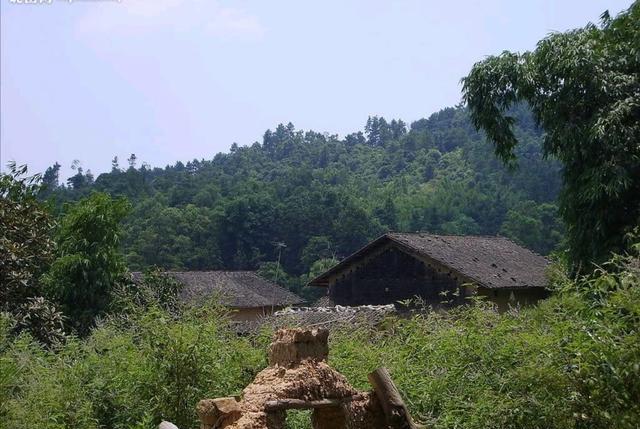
(89, 261)
(26, 249)
(583, 87)
(26, 246)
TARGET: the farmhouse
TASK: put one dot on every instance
(245, 292)
(440, 269)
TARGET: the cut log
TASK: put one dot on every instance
(167, 425)
(395, 410)
(300, 404)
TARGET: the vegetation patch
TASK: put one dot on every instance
(571, 362)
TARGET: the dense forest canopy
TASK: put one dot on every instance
(323, 197)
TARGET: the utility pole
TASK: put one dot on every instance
(280, 245)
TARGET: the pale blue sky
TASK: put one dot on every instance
(176, 80)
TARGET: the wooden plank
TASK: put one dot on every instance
(395, 410)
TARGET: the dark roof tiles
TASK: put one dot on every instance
(495, 262)
(235, 289)
(491, 262)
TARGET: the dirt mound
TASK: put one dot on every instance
(298, 376)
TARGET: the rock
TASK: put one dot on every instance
(211, 411)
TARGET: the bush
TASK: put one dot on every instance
(154, 288)
(571, 362)
(41, 319)
(127, 373)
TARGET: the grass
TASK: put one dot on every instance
(571, 362)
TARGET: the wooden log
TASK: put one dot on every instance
(300, 404)
(167, 425)
(394, 408)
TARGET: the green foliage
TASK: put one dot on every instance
(533, 225)
(570, 363)
(173, 237)
(89, 262)
(582, 87)
(41, 319)
(320, 266)
(26, 247)
(325, 197)
(298, 419)
(317, 248)
(131, 373)
(154, 289)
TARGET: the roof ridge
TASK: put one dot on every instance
(450, 235)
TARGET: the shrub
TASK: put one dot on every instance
(131, 373)
(41, 319)
(571, 362)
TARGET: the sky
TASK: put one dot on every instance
(175, 80)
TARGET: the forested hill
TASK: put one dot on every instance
(323, 197)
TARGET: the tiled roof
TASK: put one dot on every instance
(235, 289)
(491, 262)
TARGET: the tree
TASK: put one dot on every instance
(172, 237)
(115, 165)
(89, 262)
(42, 319)
(325, 196)
(387, 214)
(132, 161)
(355, 139)
(378, 131)
(398, 128)
(26, 247)
(318, 247)
(533, 225)
(50, 181)
(582, 87)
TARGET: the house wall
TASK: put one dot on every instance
(392, 275)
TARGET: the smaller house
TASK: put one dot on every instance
(438, 269)
(245, 292)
